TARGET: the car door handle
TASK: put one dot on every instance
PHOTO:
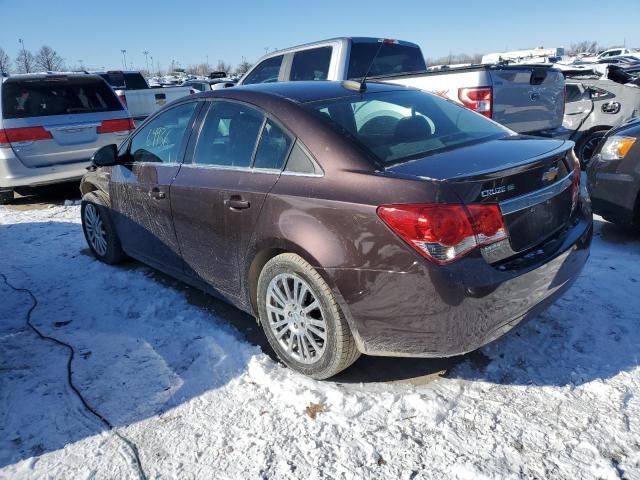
(157, 194)
(237, 203)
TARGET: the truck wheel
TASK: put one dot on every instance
(100, 233)
(6, 196)
(302, 320)
(587, 145)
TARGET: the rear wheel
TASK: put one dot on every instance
(587, 146)
(302, 320)
(6, 196)
(100, 233)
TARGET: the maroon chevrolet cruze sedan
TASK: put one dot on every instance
(346, 218)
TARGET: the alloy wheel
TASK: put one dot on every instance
(296, 318)
(95, 230)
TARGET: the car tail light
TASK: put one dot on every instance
(116, 125)
(445, 233)
(26, 134)
(478, 99)
(123, 99)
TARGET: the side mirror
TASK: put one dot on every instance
(105, 156)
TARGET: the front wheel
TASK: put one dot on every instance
(587, 146)
(302, 320)
(99, 233)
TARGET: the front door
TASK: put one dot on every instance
(218, 194)
(140, 188)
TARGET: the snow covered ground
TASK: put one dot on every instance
(559, 398)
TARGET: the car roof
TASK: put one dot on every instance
(43, 75)
(307, 91)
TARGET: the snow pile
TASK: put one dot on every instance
(558, 398)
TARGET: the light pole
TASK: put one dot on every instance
(24, 56)
(146, 59)
(124, 58)
(80, 62)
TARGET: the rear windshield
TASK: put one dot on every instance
(392, 58)
(24, 98)
(401, 125)
(129, 81)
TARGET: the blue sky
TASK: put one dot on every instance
(96, 32)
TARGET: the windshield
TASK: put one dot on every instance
(400, 125)
(393, 58)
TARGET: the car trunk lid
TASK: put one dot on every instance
(530, 179)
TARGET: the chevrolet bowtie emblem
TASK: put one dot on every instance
(550, 175)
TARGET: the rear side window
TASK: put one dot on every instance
(135, 81)
(161, 138)
(311, 64)
(392, 58)
(228, 135)
(265, 72)
(273, 147)
(24, 98)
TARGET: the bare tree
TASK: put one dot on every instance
(25, 62)
(585, 46)
(223, 66)
(47, 59)
(243, 68)
(5, 63)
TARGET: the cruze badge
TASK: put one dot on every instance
(550, 175)
(489, 192)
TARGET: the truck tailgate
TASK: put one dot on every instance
(528, 99)
(142, 103)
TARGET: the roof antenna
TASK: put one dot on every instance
(361, 86)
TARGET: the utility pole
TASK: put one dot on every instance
(146, 59)
(80, 62)
(124, 58)
(266, 50)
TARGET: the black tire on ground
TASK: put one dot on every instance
(6, 196)
(340, 349)
(588, 144)
(111, 251)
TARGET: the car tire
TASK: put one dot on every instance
(587, 145)
(302, 320)
(6, 196)
(99, 232)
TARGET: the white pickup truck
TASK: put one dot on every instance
(525, 98)
(136, 95)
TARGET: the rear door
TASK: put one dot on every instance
(217, 197)
(60, 119)
(527, 99)
(139, 188)
(578, 106)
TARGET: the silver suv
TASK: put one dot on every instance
(50, 125)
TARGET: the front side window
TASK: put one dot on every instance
(228, 136)
(273, 147)
(312, 64)
(160, 140)
(400, 125)
(265, 72)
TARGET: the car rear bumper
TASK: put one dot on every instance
(440, 312)
(559, 133)
(13, 173)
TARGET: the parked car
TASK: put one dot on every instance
(524, 98)
(342, 227)
(593, 106)
(134, 92)
(614, 175)
(51, 124)
(616, 52)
